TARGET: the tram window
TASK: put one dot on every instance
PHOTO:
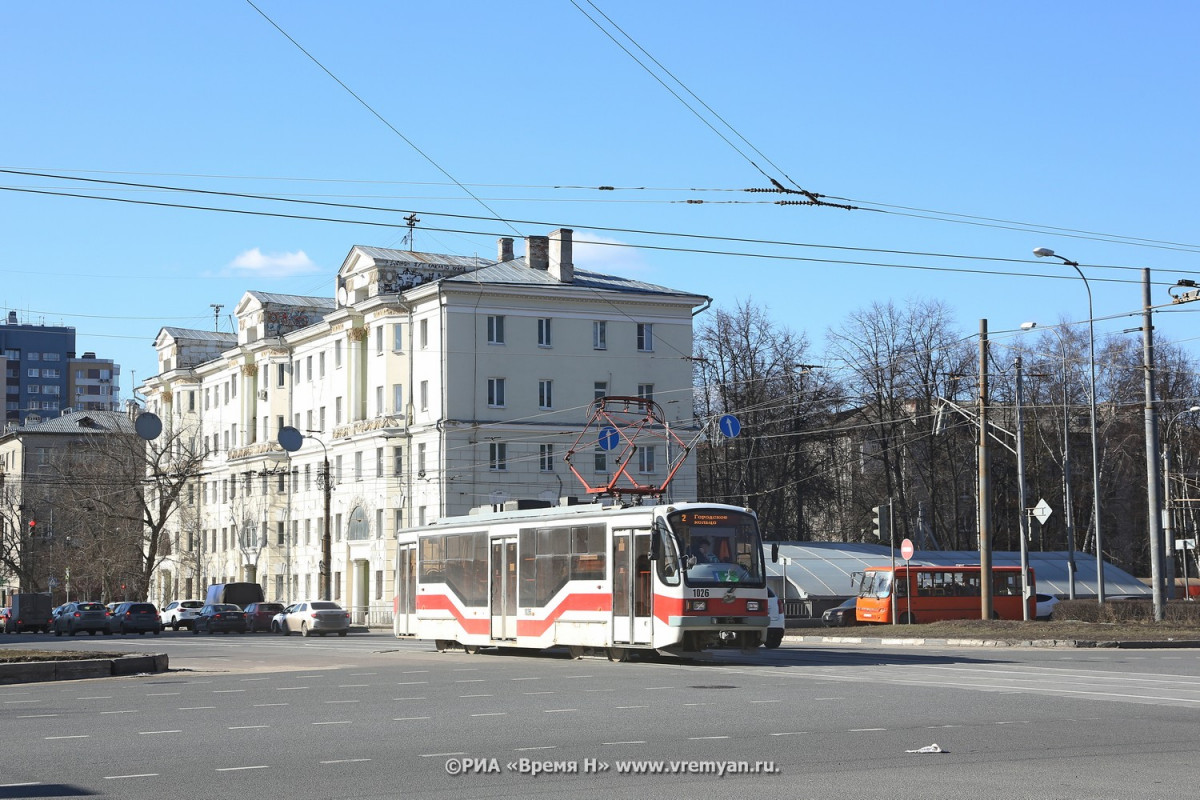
(460, 561)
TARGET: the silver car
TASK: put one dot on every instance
(312, 616)
(75, 617)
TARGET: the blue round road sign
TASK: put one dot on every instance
(729, 425)
(609, 437)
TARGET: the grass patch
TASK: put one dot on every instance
(22, 656)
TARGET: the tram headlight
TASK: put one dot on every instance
(697, 605)
(753, 605)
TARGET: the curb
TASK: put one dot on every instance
(42, 671)
(916, 641)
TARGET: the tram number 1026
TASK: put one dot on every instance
(699, 592)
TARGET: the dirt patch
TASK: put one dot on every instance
(1017, 631)
(22, 656)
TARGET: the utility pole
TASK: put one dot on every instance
(1023, 520)
(985, 483)
(216, 307)
(412, 221)
(1154, 503)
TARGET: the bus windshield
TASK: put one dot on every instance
(875, 584)
(718, 546)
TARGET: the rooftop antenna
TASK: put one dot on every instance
(216, 307)
(412, 221)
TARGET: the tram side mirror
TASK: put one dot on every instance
(655, 546)
(775, 553)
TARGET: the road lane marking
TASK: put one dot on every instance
(542, 747)
(408, 698)
(139, 775)
(268, 705)
(344, 761)
(162, 694)
(471, 680)
(629, 742)
(865, 730)
(791, 733)
(406, 719)
(130, 711)
(246, 727)
(539, 692)
(410, 683)
(439, 755)
(196, 708)
(35, 716)
(227, 691)
(766, 701)
(352, 685)
(625, 707)
(534, 678)
(461, 696)
(76, 736)
(338, 722)
(237, 769)
(155, 733)
(491, 714)
(700, 738)
(10, 702)
(289, 688)
(557, 710)
(97, 697)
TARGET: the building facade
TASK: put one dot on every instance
(430, 384)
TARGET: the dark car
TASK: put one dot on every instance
(75, 617)
(135, 618)
(842, 616)
(259, 615)
(220, 617)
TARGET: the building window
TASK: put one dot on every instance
(545, 394)
(543, 333)
(600, 461)
(497, 456)
(645, 337)
(424, 333)
(379, 339)
(398, 338)
(378, 462)
(337, 411)
(599, 389)
(646, 390)
(599, 335)
(397, 398)
(424, 395)
(546, 458)
(379, 409)
(495, 392)
(321, 364)
(308, 367)
(646, 459)
(495, 330)
(280, 374)
(421, 460)
(358, 466)
(397, 460)
(337, 353)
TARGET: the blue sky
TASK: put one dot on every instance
(967, 134)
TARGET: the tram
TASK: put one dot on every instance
(674, 578)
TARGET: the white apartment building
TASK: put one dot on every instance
(432, 384)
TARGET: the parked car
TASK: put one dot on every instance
(259, 616)
(81, 616)
(220, 617)
(778, 622)
(314, 616)
(135, 617)
(1045, 606)
(842, 616)
(181, 613)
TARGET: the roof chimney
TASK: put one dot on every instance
(561, 267)
(506, 251)
(537, 252)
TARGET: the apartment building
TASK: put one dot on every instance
(430, 384)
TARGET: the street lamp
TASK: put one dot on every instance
(291, 440)
(1068, 513)
(1169, 513)
(1045, 252)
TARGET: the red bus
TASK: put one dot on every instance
(932, 593)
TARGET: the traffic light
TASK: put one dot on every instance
(32, 527)
(879, 519)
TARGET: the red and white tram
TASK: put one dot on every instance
(673, 578)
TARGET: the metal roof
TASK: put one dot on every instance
(823, 569)
(305, 301)
(82, 421)
(516, 273)
(200, 335)
(430, 259)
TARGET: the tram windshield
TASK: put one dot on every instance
(718, 546)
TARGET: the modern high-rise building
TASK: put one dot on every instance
(42, 377)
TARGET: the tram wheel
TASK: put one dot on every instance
(575, 652)
(617, 654)
(441, 645)
(470, 649)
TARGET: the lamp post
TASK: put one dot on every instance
(1068, 514)
(291, 440)
(1168, 512)
(1045, 252)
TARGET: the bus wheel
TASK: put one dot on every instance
(617, 654)
(470, 649)
(907, 619)
(995, 614)
(575, 652)
(440, 645)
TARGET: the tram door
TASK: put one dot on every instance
(504, 588)
(632, 589)
(406, 588)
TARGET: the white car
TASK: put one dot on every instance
(778, 623)
(1045, 606)
(312, 616)
(181, 613)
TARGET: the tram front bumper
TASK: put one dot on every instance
(710, 622)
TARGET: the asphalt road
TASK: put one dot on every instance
(369, 716)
